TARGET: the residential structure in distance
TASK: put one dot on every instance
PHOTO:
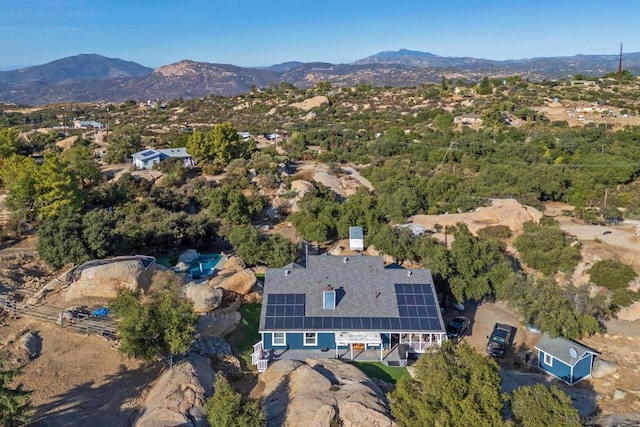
(146, 159)
(350, 307)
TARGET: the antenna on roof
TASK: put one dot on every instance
(573, 353)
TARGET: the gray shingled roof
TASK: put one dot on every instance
(559, 348)
(365, 288)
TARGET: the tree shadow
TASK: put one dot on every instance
(110, 404)
(276, 403)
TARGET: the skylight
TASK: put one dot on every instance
(329, 300)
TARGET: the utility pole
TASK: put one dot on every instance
(620, 63)
(447, 152)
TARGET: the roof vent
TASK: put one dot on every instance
(345, 259)
(409, 273)
(287, 272)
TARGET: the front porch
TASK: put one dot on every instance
(392, 349)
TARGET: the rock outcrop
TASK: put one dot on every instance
(239, 282)
(602, 368)
(311, 103)
(102, 278)
(205, 297)
(178, 397)
(321, 392)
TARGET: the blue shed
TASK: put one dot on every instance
(566, 360)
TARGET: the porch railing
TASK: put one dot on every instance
(257, 357)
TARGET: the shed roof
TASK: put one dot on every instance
(356, 233)
(560, 348)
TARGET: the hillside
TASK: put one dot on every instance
(89, 78)
(79, 67)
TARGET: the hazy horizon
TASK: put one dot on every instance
(258, 33)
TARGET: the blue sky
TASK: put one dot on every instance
(265, 32)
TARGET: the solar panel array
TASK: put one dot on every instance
(416, 305)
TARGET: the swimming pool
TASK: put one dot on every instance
(204, 265)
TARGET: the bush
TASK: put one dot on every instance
(547, 248)
(455, 386)
(501, 232)
(228, 408)
(537, 405)
(615, 276)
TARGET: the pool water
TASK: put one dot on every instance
(204, 265)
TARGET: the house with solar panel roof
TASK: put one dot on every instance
(348, 307)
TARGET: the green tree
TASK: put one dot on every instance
(60, 239)
(9, 143)
(18, 176)
(221, 144)
(228, 408)
(83, 165)
(56, 186)
(98, 233)
(536, 406)
(160, 326)
(554, 310)
(444, 124)
(547, 248)
(245, 240)
(124, 143)
(15, 402)
(454, 386)
(278, 251)
(479, 266)
(615, 276)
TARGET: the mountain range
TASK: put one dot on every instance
(92, 77)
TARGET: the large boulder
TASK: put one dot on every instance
(103, 278)
(205, 297)
(321, 392)
(188, 256)
(178, 396)
(631, 313)
(240, 282)
(218, 323)
(31, 345)
(310, 103)
(602, 368)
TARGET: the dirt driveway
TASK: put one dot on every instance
(588, 395)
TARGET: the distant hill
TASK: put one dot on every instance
(285, 66)
(86, 78)
(79, 67)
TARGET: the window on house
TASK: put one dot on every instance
(329, 300)
(279, 338)
(548, 360)
(310, 338)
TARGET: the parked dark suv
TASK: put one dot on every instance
(500, 339)
(457, 327)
